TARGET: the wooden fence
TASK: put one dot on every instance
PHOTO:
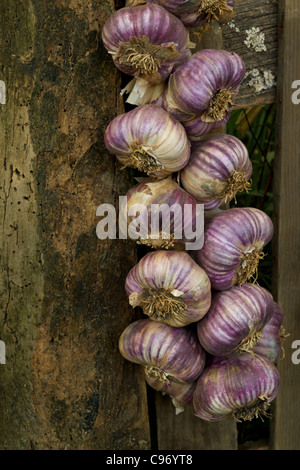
(63, 305)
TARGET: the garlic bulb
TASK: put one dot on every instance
(167, 354)
(209, 11)
(146, 41)
(218, 168)
(237, 386)
(233, 246)
(204, 86)
(270, 345)
(169, 217)
(235, 320)
(170, 288)
(149, 139)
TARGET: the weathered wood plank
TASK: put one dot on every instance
(62, 299)
(187, 432)
(286, 421)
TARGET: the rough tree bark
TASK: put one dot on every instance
(62, 299)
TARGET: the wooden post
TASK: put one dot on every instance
(62, 299)
(286, 421)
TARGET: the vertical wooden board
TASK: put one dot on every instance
(63, 304)
(187, 432)
(286, 421)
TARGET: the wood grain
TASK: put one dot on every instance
(286, 422)
(62, 300)
(187, 432)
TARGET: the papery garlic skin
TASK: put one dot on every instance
(180, 394)
(235, 320)
(170, 288)
(141, 92)
(146, 41)
(168, 354)
(218, 168)
(233, 246)
(270, 345)
(181, 209)
(149, 139)
(238, 386)
(204, 86)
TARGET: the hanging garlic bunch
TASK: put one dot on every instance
(170, 288)
(218, 168)
(149, 139)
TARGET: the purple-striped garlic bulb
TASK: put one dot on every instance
(195, 12)
(168, 354)
(270, 345)
(233, 246)
(168, 216)
(235, 320)
(204, 86)
(149, 139)
(209, 12)
(170, 288)
(146, 41)
(180, 394)
(218, 168)
(237, 386)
